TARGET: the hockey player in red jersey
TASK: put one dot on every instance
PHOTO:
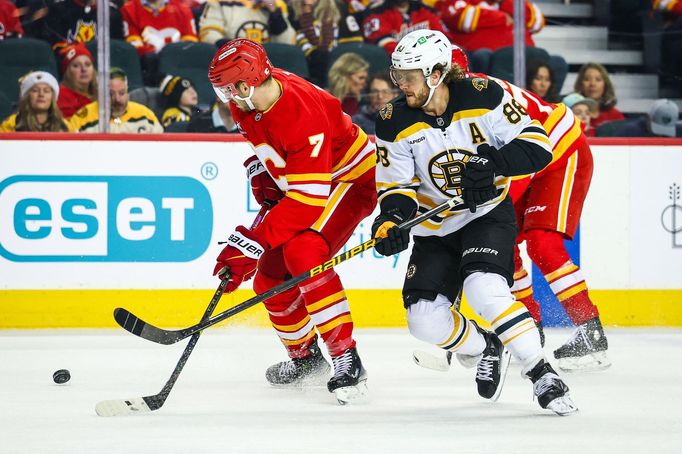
(548, 206)
(321, 167)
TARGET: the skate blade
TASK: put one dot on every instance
(430, 361)
(504, 366)
(352, 394)
(588, 363)
(563, 406)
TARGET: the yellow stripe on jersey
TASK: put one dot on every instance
(568, 268)
(309, 177)
(566, 191)
(470, 113)
(302, 340)
(326, 327)
(297, 196)
(292, 328)
(474, 22)
(566, 141)
(336, 297)
(360, 169)
(411, 193)
(523, 293)
(331, 204)
(359, 142)
(554, 118)
(536, 136)
(413, 129)
(572, 291)
(381, 186)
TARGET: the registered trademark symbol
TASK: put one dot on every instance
(209, 171)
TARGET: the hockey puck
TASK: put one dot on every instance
(61, 376)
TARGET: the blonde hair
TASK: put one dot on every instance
(92, 89)
(344, 67)
(608, 98)
(26, 119)
(324, 10)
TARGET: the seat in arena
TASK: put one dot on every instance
(20, 56)
(122, 55)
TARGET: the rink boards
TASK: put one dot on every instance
(89, 224)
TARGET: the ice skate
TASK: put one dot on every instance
(550, 389)
(312, 370)
(349, 383)
(492, 367)
(585, 350)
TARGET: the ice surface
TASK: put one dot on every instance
(222, 404)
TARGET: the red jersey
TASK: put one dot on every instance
(70, 101)
(563, 128)
(481, 24)
(309, 147)
(384, 25)
(606, 115)
(10, 27)
(149, 31)
(668, 6)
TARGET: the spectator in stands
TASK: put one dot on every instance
(151, 24)
(218, 119)
(385, 23)
(381, 91)
(126, 116)
(79, 79)
(347, 81)
(66, 22)
(320, 26)
(662, 121)
(487, 24)
(540, 80)
(10, 26)
(593, 81)
(261, 21)
(582, 108)
(37, 111)
(180, 99)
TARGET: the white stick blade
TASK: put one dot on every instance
(121, 407)
(430, 361)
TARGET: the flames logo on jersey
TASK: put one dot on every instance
(446, 169)
(83, 32)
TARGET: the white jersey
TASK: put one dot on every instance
(422, 156)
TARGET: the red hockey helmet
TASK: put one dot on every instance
(238, 60)
(459, 58)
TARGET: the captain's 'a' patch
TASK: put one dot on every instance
(479, 84)
(386, 112)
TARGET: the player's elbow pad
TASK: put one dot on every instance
(522, 158)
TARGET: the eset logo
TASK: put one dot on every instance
(104, 218)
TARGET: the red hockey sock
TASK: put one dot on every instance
(546, 249)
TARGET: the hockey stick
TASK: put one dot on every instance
(432, 361)
(150, 403)
(138, 327)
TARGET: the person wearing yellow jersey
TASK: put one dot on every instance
(126, 116)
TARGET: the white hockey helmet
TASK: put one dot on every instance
(422, 49)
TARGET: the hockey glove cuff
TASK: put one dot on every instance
(264, 188)
(239, 259)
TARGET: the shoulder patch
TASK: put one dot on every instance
(479, 83)
(386, 112)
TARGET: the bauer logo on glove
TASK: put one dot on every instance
(239, 259)
(250, 248)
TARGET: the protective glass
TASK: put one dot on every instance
(406, 76)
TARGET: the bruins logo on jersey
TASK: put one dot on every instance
(386, 112)
(255, 31)
(479, 84)
(446, 170)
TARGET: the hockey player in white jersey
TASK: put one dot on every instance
(446, 137)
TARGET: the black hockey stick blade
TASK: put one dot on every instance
(135, 325)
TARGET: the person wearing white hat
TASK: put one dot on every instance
(662, 121)
(37, 110)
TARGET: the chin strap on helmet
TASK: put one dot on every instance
(432, 88)
(247, 99)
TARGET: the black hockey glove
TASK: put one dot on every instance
(394, 240)
(478, 179)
